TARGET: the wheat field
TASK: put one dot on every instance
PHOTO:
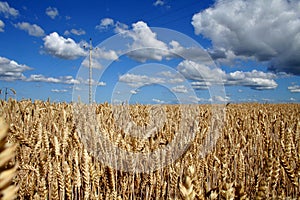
(256, 154)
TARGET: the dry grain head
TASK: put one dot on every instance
(7, 152)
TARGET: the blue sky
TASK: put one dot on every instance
(200, 51)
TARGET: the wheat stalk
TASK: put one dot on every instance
(256, 155)
(7, 173)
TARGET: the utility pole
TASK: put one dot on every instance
(6, 92)
(90, 71)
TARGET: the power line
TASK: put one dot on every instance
(143, 15)
(173, 12)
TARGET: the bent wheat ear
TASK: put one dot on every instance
(7, 190)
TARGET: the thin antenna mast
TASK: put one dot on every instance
(90, 71)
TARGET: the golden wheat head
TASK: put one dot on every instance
(7, 189)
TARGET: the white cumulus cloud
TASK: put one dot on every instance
(220, 99)
(205, 76)
(137, 81)
(105, 54)
(196, 71)
(31, 29)
(145, 44)
(75, 32)
(179, 89)
(264, 30)
(94, 63)
(2, 25)
(120, 27)
(59, 90)
(105, 23)
(254, 79)
(189, 53)
(8, 11)
(42, 78)
(61, 80)
(97, 55)
(52, 12)
(134, 91)
(158, 101)
(11, 70)
(108, 23)
(78, 31)
(93, 82)
(61, 47)
(158, 3)
(172, 77)
(201, 85)
(294, 88)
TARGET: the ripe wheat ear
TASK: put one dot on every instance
(7, 152)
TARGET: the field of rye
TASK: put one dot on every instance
(42, 156)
